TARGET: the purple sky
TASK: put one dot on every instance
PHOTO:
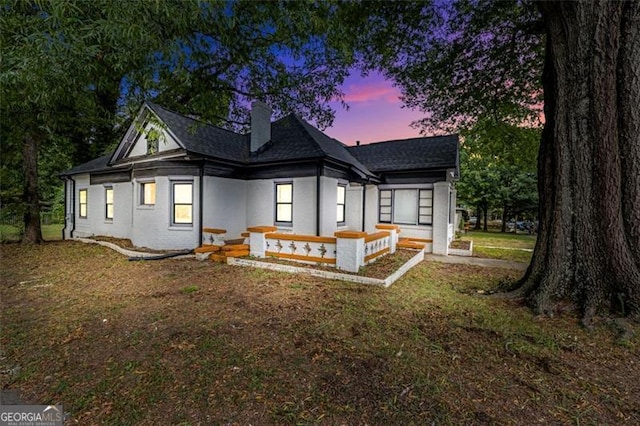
(375, 112)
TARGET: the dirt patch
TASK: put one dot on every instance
(380, 269)
(460, 245)
(118, 342)
(126, 243)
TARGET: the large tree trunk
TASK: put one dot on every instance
(32, 229)
(588, 247)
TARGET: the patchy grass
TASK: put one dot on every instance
(121, 342)
(499, 239)
(496, 245)
(10, 233)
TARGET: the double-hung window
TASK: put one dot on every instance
(284, 203)
(83, 203)
(148, 193)
(182, 196)
(341, 203)
(406, 206)
(108, 204)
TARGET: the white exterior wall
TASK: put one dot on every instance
(225, 205)
(353, 214)
(152, 224)
(328, 206)
(84, 226)
(261, 201)
(260, 208)
(441, 218)
(166, 143)
(371, 209)
(96, 222)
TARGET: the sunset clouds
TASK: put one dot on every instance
(375, 112)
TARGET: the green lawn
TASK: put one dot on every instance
(121, 342)
(9, 233)
(497, 245)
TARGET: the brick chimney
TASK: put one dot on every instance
(260, 125)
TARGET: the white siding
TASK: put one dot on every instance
(354, 208)
(371, 209)
(328, 203)
(166, 143)
(152, 224)
(261, 204)
(225, 205)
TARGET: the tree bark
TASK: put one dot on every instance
(31, 195)
(588, 247)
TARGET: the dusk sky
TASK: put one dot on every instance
(375, 112)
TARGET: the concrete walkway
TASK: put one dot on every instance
(477, 261)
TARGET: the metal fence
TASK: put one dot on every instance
(15, 219)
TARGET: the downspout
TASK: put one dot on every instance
(318, 174)
(200, 204)
(66, 190)
(364, 205)
(73, 206)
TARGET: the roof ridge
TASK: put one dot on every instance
(403, 140)
(153, 104)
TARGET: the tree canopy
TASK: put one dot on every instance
(73, 70)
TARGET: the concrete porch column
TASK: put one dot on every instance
(441, 218)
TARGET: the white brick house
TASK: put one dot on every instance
(172, 176)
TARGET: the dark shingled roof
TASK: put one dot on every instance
(202, 138)
(439, 152)
(97, 164)
(292, 139)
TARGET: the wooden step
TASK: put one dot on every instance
(411, 244)
(236, 253)
(207, 249)
(218, 258)
(235, 247)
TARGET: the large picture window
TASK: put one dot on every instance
(83, 203)
(284, 203)
(341, 203)
(182, 203)
(406, 206)
(148, 193)
(108, 196)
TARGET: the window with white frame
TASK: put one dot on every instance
(284, 203)
(148, 193)
(108, 202)
(83, 203)
(406, 206)
(182, 200)
(341, 203)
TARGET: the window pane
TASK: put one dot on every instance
(83, 196)
(385, 217)
(109, 211)
(109, 195)
(149, 196)
(83, 210)
(340, 213)
(284, 193)
(405, 208)
(182, 193)
(341, 194)
(283, 213)
(182, 213)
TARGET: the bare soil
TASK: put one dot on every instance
(188, 342)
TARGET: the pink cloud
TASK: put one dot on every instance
(381, 90)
